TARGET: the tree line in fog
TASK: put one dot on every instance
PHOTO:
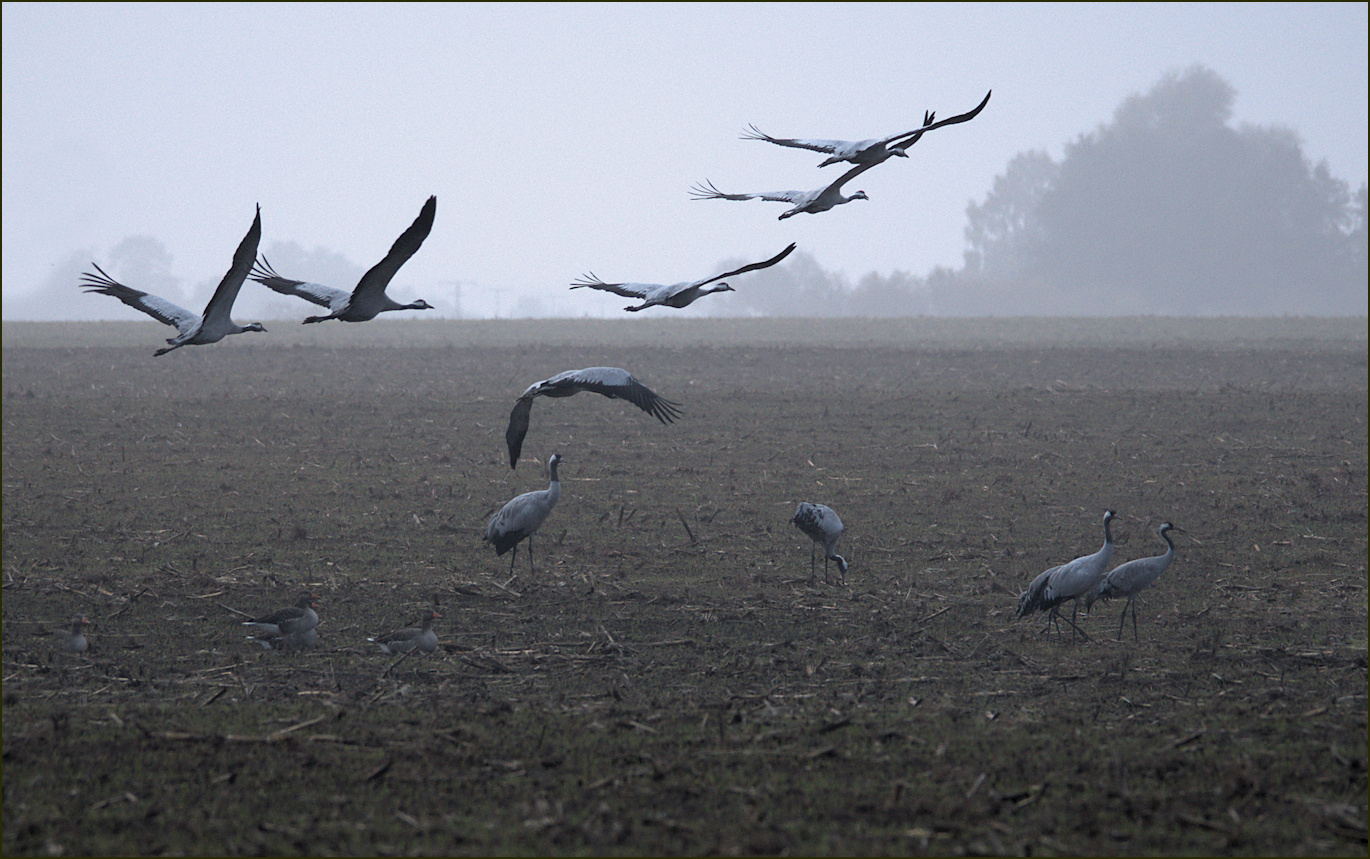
(1166, 210)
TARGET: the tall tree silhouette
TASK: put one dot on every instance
(1171, 210)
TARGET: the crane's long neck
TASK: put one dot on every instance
(554, 488)
(1170, 546)
(1106, 551)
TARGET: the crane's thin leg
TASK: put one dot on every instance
(1134, 620)
(1122, 618)
(530, 556)
(511, 559)
(813, 568)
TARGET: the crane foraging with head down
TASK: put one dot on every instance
(820, 523)
(522, 516)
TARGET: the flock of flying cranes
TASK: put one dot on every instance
(521, 517)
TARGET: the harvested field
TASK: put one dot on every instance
(668, 681)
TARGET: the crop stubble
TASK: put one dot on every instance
(667, 682)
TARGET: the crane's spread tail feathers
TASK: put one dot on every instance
(706, 191)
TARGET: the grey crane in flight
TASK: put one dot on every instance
(193, 329)
(613, 382)
(675, 294)
(368, 300)
(868, 152)
(811, 202)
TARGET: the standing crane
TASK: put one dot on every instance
(193, 329)
(820, 523)
(368, 299)
(522, 516)
(1069, 581)
(613, 382)
(1130, 579)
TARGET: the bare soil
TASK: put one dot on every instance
(668, 681)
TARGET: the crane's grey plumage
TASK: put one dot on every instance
(421, 638)
(522, 516)
(73, 639)
(675, 294)
(1070, 581)
(812, 202)
(868, 152)
(193, 329)
(822, 525)
(368, 300)
(612, 382)
(297, 618)
(1131, 578)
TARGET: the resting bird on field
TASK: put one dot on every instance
(867, 152)
(288, 642)
(675, 294)
(368, 299)
(1131, 578)
(73, 639)
(522, 516)
(411, 638)
(812, 202)
(193, 329)
(298, 618)
(822, 525)
(612, 382)
(1069, 581)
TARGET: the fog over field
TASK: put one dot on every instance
(1166, 159)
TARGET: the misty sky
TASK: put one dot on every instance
(562, 139)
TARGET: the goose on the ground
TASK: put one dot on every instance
(73, 638)
(422, 638)
(287, 642)
(868, 152)
(194, 329)
(612, 382)
(521, 517)
(675, 294)
(368, 299)
(299, 617)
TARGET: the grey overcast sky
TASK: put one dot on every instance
(563, 138)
